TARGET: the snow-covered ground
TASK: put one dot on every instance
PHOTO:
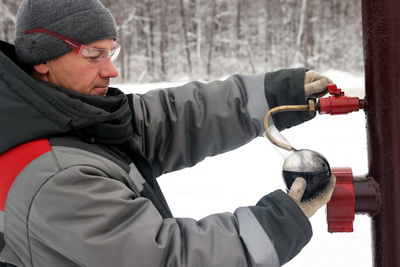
(243, 176)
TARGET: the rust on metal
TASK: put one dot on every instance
(381, 40)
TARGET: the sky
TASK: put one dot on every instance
(241, 177)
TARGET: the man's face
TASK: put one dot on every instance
(75, 73)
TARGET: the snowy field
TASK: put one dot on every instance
(243, 176)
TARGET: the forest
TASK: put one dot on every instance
(170, 40)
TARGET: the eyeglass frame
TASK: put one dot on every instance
(79, 48)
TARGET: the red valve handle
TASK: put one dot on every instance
(333, 90)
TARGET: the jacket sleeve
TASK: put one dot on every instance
(286, 87)
(178, 127)
(93, 220)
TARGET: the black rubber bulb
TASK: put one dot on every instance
(310, 165)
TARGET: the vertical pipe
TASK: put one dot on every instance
(381, 36)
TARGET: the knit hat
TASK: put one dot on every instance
(85, 21)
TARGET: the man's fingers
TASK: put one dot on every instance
(312, 76)
(326, 196)
(297, 189)
(316, 87)
(315, 84)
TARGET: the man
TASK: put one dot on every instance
(79, 159)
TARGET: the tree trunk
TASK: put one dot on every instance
(211, 39)
(163, 38)
(185, 37)
(309, 36)
(120, 22)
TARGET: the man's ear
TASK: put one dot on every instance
(41, 68)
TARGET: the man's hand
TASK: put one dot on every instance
(310, 207)
(315, 84)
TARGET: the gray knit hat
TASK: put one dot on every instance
(85, 21)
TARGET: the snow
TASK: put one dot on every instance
(241, 177)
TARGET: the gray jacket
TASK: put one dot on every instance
(78, 173)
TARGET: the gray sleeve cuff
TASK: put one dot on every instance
(261, 250)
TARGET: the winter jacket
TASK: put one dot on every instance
(78, 173)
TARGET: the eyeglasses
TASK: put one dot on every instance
(94, 56)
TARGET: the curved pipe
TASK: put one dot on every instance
(277, 110)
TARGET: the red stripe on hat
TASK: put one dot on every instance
(15, 160)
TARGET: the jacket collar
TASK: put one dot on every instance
(32, 109)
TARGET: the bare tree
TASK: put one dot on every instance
(185, 36)
(211, 33)
(164, 39)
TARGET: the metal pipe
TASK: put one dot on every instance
(368, 196)
(381, 40)
(271, 112)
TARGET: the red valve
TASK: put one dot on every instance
(342, 206)
(338, 103)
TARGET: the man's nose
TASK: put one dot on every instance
(108, 70)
